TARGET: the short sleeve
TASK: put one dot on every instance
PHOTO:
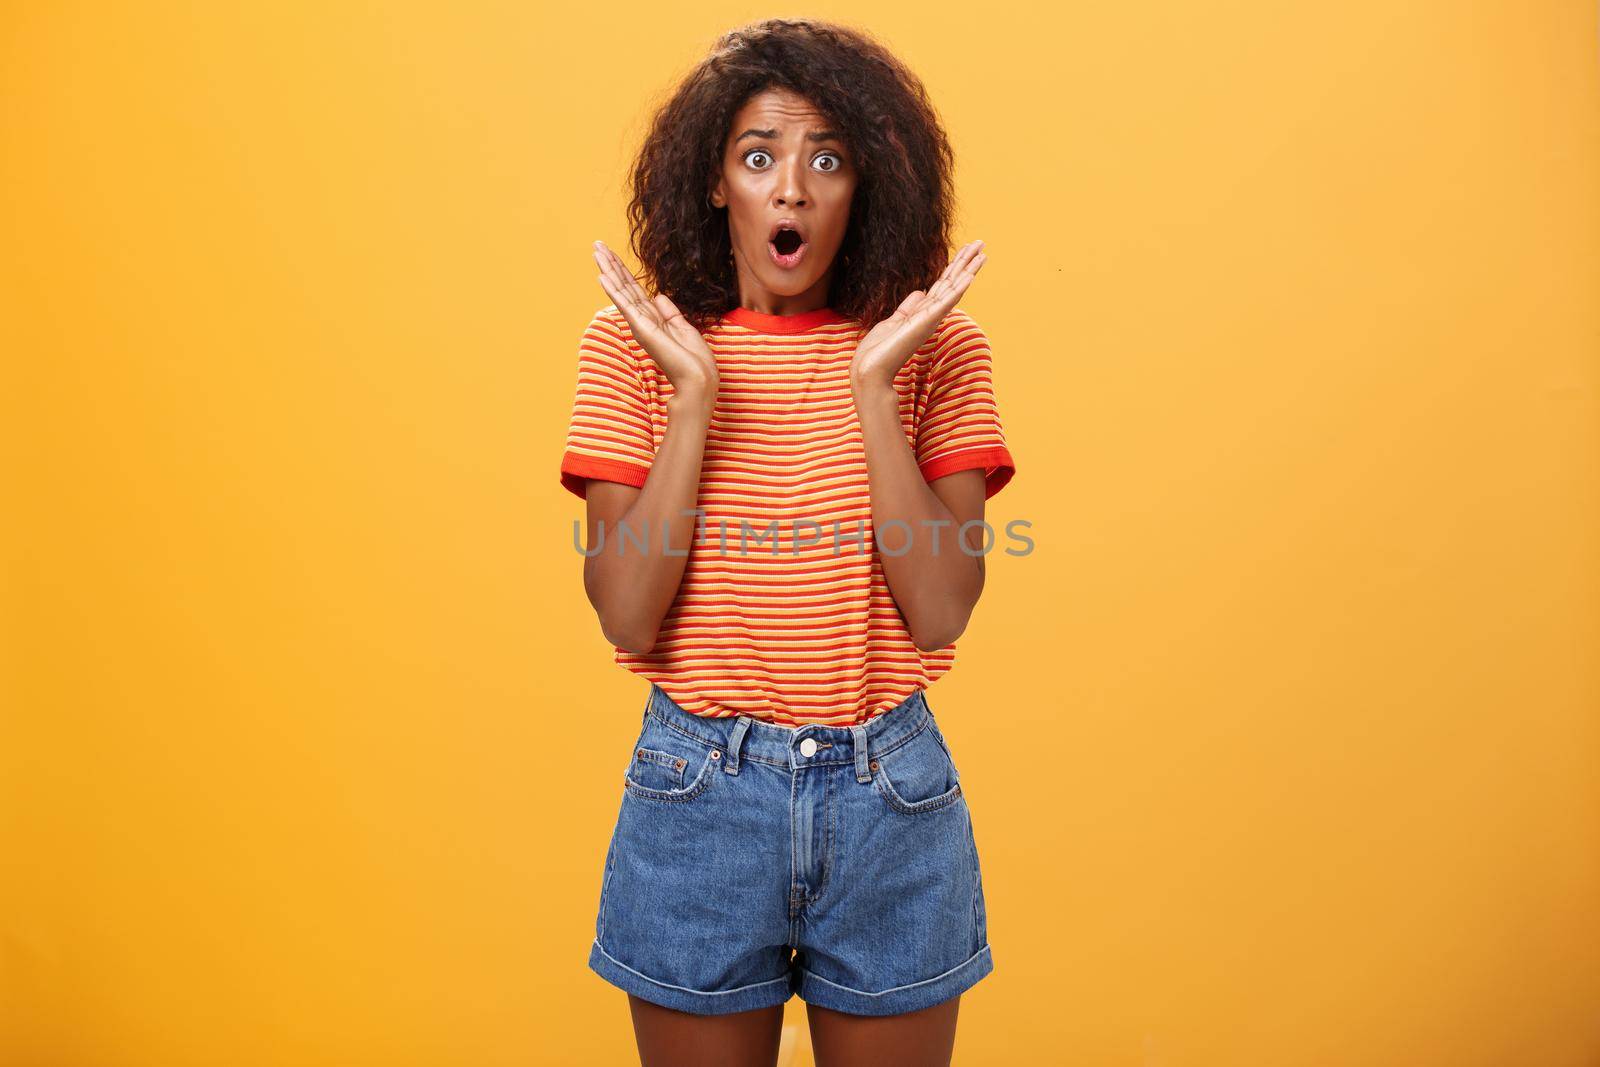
(960, 425)
(609, 435)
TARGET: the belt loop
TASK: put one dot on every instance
(735, 740)
(858, 734)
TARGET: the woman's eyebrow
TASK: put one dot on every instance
(820, 135)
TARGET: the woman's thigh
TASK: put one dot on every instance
(670, 1038)
(924, 1038)
(667, 1037)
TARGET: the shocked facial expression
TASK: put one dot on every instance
(787, 182)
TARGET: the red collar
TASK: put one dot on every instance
(799, 323)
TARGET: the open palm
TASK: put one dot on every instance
(660, 328)
(887, 346)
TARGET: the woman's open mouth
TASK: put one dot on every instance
(787, 247)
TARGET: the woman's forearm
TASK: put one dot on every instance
(633, 580)
(934, 582)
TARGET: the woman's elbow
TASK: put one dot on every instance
(621, 620)
(631, 635)
(930, 634)
(931, 638)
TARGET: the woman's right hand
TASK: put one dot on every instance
(659, 327)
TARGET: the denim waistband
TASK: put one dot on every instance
(743, 737)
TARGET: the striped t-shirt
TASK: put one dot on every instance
(785, 628)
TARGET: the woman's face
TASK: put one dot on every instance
(783, 164)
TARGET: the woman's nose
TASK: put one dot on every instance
(791, 186)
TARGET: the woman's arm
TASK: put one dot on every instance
(934, 582)
(632, 587)
(649, 530)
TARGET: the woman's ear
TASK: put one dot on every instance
(717, 199)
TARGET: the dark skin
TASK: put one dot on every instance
(782, 160)
(671, 1038)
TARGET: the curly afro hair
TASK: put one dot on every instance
(898, 236)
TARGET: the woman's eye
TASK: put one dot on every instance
(759, 157)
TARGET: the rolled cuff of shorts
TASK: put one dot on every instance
(744, 998)
(913, 997)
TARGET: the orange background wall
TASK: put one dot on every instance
(1282, 746)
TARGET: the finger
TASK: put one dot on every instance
(969, 270)
(637, 318)
(960, 274)
(624, 289)
(626, 299)
(607, 278)
(959, 261)
(962, 258)
(951, 270)
(959, 284)
(608, 264)
(629, 282)
(608, 270)
(640, 316)
(952, 292)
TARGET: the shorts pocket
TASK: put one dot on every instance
(918, 776)
(667, 766)
(654, 769)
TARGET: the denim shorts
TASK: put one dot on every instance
(752, 861)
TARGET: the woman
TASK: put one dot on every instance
(792, 820)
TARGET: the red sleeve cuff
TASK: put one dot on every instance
(576, 469)
(996, 462)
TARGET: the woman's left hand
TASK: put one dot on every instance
(887, 346)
